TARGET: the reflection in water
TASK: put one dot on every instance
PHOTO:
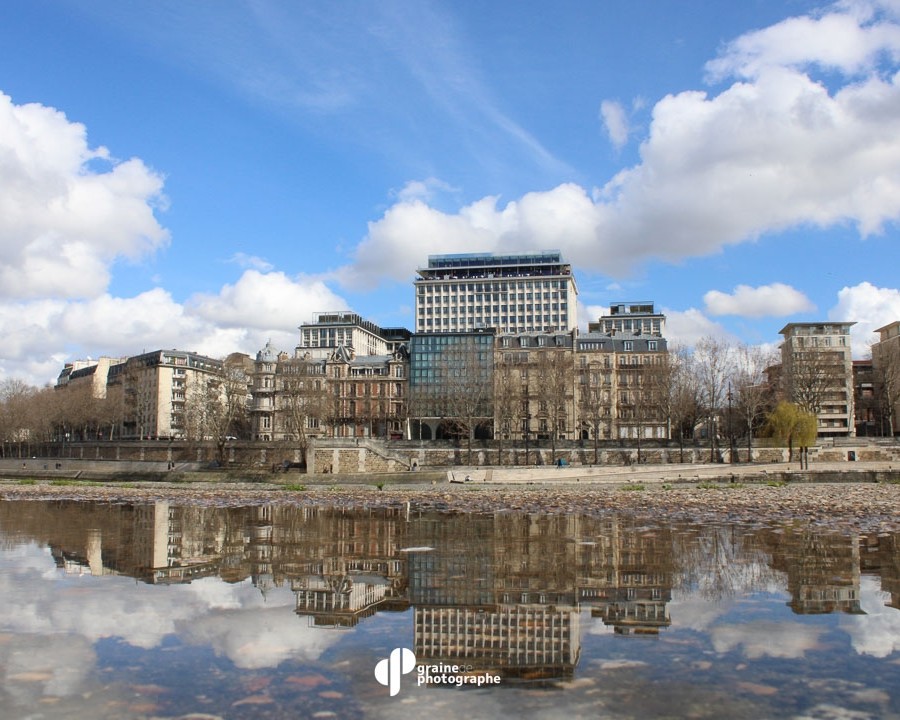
(526, 596)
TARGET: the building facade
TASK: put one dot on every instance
(159, 391)
(817, 374)
(529, 292)
(886, 376)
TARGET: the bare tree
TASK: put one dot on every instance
(594, 402)
(814, 374)
(886, 370)
(16, 397)
(303, 398)
(751, 393)
(555, 374)
(712, 366)
(507, 399)
(466, 370)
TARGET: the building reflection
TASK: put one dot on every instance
(505, 592)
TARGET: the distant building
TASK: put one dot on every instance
(527, 292)
(90, 373)
(635, 317)
(817, 373)
(329, 330)
(347, 378)
(886, 376)
(153, 391)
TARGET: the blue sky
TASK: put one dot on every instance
(207, 175)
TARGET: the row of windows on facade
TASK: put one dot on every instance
(496, 289)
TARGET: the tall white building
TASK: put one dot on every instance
(528, 292)
(817, 372)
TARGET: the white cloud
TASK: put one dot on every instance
(870, 307)
(758, 639)
(849, 39)
(67, 210)
(688, 326)
(776, 151)
(265, 301)
(251, 262)
(775, 300)
(241, 317)
(615, 121)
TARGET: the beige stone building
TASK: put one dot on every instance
(817, 373)
(155, 390)
(886, 375)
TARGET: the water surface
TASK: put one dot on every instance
(275, 611)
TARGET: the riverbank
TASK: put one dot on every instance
(850, 505)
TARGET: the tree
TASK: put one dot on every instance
(752, 395)
(712, 366)
(789, 424)
(813, 376)
(886, 370)
(507, 399)
(466, 396)
(16, 397)
(555, 374)
(593, 401)
(303, 401)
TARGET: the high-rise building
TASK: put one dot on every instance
(528, 292)
(817, 373)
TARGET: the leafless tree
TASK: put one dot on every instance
(303, 399)
(555, 375)
(752, 397)
(507, 399)
(594, 401)
(886, 370)
(466, 370)
(712, 366)
(814, 373)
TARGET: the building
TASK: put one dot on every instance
(529, 292)
(329, 330)
(817, 373)
(159, 393)
(619, 385)
(886, 376)
(637, 318)
(347, 378)
(451, 384)
(534, 386)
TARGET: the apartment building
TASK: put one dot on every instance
(153, 391)
(528, 292)
(346, 378)
(340, 328)
(886, 376)
(817, 373)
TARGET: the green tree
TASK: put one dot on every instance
(790, 425)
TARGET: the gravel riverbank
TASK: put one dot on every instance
(862, 506)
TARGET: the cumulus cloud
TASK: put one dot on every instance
(265, 301)
(41, 335)
(758, 639)
(775, 300)
(870, 307)
(850, 39)
(615, 121)
(68, 210)
(686, 327)
(774, 150)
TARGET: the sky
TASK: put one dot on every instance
(208, 175)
